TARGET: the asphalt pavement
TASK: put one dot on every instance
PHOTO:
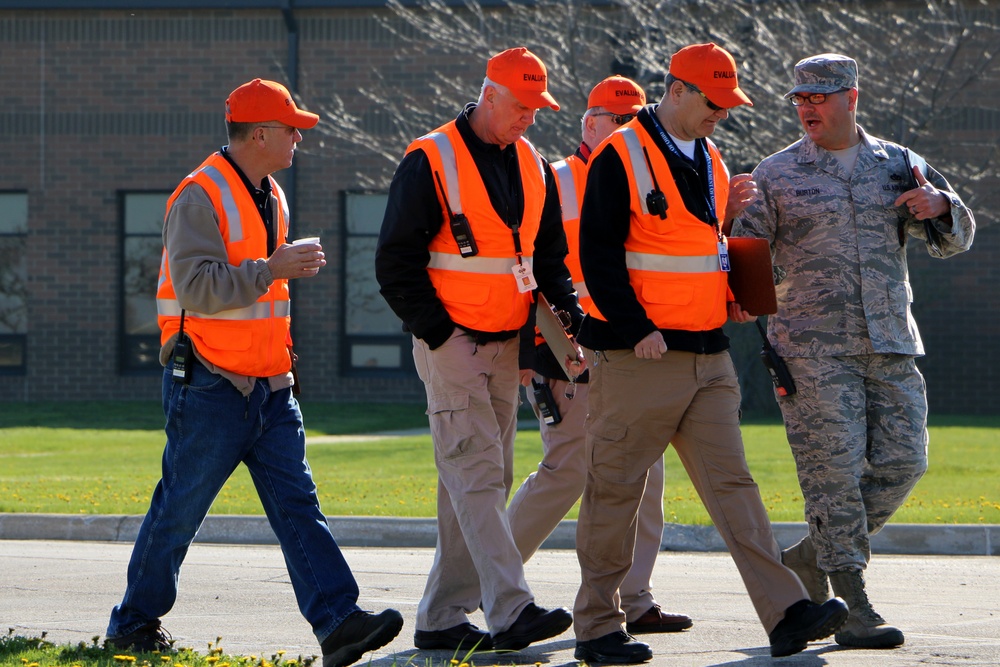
(947, 605)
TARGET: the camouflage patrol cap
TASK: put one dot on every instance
(825, 73)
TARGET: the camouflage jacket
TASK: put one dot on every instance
(838, 247)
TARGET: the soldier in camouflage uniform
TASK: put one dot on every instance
(837, 207)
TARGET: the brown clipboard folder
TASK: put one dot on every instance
(553, 332)
(750, 275)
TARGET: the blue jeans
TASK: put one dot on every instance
(210, 429)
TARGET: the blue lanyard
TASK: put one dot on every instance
(672, 147)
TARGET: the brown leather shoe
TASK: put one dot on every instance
(657, 620)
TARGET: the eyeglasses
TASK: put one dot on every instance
(617, 118)
(709, 103)
(813, 98)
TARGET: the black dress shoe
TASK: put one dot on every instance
(462, 638)
(617, 648)
(533, 624)
(359, 633)
(806, 621)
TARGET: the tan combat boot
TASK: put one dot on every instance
(864, 627)
(801, 559)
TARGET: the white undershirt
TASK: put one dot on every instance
(686, 147)
(848, 156)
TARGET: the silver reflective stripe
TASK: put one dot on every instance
(228, 202)
(258, 311)
(640, 171)
(581, 289)
(538, 158)
(163, 272)
(567, 190)
(450, 165)
(477, 264)
(641, 261)
(280, 194)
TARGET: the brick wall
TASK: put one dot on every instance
(103, 101)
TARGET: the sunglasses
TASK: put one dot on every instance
(814, 98)
(709, 103)
(617, 118)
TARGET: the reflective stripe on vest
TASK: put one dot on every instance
(640, 261)
(450, 165)
(475, 264)
(228, 202)
(257, 311)
(567, 190)
(640, 170)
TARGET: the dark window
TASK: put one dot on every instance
(142, 247)
(374, 343)
(13, 281)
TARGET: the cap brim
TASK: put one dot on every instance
(622, 109)
(535, 100)
(812, 88)
(727, 98)
(301, 120)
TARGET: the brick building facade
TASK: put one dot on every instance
(108, 107)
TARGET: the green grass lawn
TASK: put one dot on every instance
(103, 458)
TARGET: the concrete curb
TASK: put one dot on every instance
(900, 539)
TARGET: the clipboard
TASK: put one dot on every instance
(553, 333)
(751, 277)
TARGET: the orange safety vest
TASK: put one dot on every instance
(673, 264)
(252, 340)
(571, 181)
(480, 292)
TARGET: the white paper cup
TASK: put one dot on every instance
(309, 240)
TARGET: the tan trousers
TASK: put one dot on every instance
(472, 400)
(547, 494)
(637, 407)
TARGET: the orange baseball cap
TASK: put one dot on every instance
(259, 101)
(713, 70)
(618, 95)
(524, 75)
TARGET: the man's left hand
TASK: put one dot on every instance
(924, 202)
(737, 314)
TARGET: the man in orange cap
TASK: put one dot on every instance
(655, 261)
(223, 309)
(471, 229)
(548, 493)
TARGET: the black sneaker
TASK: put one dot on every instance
(533, 624)
(150, 637)
(617, 648)
(806, 621)
(461, 638)
(360, 632)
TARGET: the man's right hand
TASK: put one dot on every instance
(296, 261)
(651, 347)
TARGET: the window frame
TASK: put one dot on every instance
(21, 338)
(406, 368)
(126, 361)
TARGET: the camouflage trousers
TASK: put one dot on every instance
(857, 427)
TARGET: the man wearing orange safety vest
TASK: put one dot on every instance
(655, 261)
(223, 309)
(547, 494)
(471, 228)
